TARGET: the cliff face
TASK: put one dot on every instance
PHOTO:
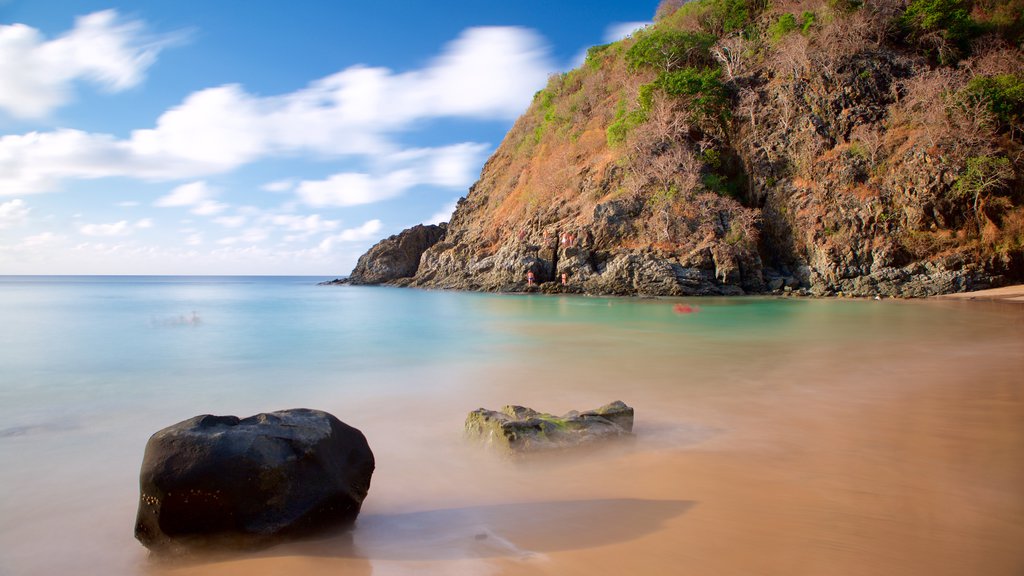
(741, 147)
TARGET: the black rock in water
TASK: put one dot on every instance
(225, 482)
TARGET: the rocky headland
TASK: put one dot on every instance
(737, 147)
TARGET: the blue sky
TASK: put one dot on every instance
(208, 137)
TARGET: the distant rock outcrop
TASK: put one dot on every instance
(225, 482)
(518, 429)
(397, 256)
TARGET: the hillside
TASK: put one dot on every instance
(739, 146)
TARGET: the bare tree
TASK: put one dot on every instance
(871, 139)
(732, 52)
(882, 16)
(791, 57)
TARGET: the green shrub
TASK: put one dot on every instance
(625, 121)
(669, 50)
(712, 157)
(983, 176)
(1005, 97)
(784, 25)
(1007, 18)
(948, 21)
(718, 16)
(594, 54)
(709, 98)
(808, 22)
(724, 16)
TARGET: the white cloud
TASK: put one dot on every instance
(368, 231)
(346, 189)
(248, 236)
(305, 225)
(619, 30)
(444, 214)
(13, 213)
(209, 208)
(31, 248)
(278, 186)
(487, 73)
(231, 221)
(40, 240)
(198, 196)
(120, 228)
(448, 167)
(191, 194)
(37, 75)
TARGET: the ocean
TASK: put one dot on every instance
(774, 436)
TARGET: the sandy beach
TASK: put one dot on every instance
(883, 459)
(1006, 293)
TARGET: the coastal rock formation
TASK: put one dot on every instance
(221, 481)
(518, 429)
(397, 256)
(863, 148)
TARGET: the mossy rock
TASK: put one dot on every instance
(520, 429)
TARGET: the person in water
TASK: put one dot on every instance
(685, 309)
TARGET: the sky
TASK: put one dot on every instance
(259, 137)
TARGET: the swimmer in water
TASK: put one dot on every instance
(685, 309)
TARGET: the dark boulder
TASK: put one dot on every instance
(221, 481)
(519, 429)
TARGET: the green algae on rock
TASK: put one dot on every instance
(519, 429)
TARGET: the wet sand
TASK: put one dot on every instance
(1006, 294)
(878, 456)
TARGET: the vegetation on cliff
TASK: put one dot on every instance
(734, 146)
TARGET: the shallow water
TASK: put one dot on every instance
(773, 436)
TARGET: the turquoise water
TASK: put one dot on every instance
(90, 366)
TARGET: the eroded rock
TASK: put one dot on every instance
(521, 429)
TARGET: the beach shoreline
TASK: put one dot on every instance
(1013, 293)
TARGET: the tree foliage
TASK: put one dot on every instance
(668, 50)
(706, 96)
(944, 28)
(1004, 94)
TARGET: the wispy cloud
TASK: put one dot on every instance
(448, 167)
(102, 48)
(486, 73)
(368, 231)
(197, 196)
(444, 214)
(120, 228)
(278, 186)
(619, 30)
(13, 213)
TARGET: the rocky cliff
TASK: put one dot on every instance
(738, 146)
